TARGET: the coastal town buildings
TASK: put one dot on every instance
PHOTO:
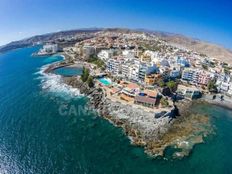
(223, 83)
(126, 70)
(53, 48)
(144, 60)
(188, 74)
(175, 73)
(146, 101)
(204, 77)
(129, 54)
(130, 90)
(114, 66)
(106, 54)
(183, 62)
(189, 92)
(151, 79)
(48, 49)
(148, 56)
(88, 51)
(142, 71)
(134, 73)
(151, 75)
(196, 76)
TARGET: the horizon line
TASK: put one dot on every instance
(146, 30)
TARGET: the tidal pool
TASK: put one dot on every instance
(69, 71)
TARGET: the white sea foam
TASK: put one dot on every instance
(53, 83)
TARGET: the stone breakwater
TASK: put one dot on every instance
(154, 134)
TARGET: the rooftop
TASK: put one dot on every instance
(144, 99)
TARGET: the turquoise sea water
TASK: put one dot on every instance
(36, 138)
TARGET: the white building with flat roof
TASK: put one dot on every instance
(49, 49)
(188, 92)
(223, 83)
(88, 51)
(114, 66)
(106, 54)
(128, 54)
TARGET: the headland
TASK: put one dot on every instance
(147, 87)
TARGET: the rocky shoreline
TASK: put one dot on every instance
(143, 129)
(227, 104)
(140, 126)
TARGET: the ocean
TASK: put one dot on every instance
(40, 134)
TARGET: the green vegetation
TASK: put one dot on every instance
(205, 67)
(203, 55)
(164, 102)
(227, 70)
(85, 74)
(95, 60)
(212, 87)
(90, 82)
(85, 77)
(212, 65)
(224, 65)
(172, 85)
(161, 83)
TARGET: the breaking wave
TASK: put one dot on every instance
(54, 83)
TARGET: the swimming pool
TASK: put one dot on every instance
(105, 81)
(69, 71)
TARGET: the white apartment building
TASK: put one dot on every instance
(134, 73)
(224, 87)
(126, 70)
(142, 71)
(197, 76)
(223, 83)
(188, 74)
(131, 69)
(114, 66)
(174, 73)
(50, 48)
(88, 51)
(151, 54)
(106, 54)
(128, 54)
(156, 58)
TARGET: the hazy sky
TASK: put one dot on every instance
(209, 20)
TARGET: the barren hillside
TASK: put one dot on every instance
(212, 50)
